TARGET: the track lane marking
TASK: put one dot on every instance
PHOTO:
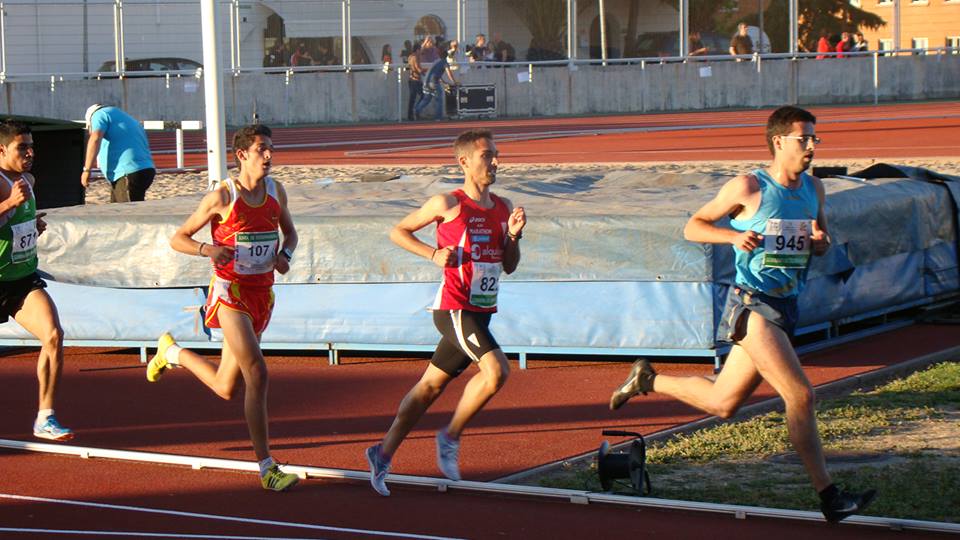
(199, 515)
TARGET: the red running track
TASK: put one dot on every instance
(885, 132)
(325, 416)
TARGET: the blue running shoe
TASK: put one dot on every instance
(448, 452)
(51, 429)
(379, 468)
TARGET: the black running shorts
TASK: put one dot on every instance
(465, 338)
(740, 301)
(13, 293)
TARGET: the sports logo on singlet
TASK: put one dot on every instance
(485, 281)
(786, 243)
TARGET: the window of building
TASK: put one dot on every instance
(919, 2)
(885, 45)
(954, 43)
(884, 2)
(920, 43)
(430, 25)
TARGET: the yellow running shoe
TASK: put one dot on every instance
(158, 364)
(277, 480)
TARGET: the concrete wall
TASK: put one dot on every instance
(372, 96)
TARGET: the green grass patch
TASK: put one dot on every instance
(730, 463)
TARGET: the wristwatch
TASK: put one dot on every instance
(287, 254)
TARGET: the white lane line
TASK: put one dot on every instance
(139, 534)
(179, 513)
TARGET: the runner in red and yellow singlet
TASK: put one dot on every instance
(478, 238)
(246, 217)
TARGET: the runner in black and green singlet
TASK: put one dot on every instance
(21, 289)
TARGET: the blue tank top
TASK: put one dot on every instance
(779, 266)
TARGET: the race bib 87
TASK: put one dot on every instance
(24, 241)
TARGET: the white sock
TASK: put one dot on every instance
(265, 466)
(173, 355)
(43, 414)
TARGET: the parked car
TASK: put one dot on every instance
(663, 44)
(153, 64)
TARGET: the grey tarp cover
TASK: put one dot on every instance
(604, 261)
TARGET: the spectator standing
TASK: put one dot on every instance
(480, 52)
(844, 45)
(301, 57)
(502, 51)
(386, 54)
(325, 57)
(407, 49)
(415, 82)
(697, 48)
(118, 144)
(860, 44)
(276, 56)
(741, 43)
(823, 46)
(428, 51)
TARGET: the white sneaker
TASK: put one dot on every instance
(448, 452)
(51, 429)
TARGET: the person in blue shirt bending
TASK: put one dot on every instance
(433, 83)
(777, 223)
(118, 146)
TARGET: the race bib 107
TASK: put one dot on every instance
(256, 252)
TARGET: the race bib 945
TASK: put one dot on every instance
(786, 243)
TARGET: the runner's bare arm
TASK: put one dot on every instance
(290, 238)
(435, 210)
(511, 249)
(14, 196)
(212, 206)
(731, 199)
(820, 237)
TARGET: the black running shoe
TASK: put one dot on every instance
(845, 504)
(639, 380)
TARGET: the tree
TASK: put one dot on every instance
(815, 16)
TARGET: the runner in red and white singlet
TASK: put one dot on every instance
(478, 237)
(244, 282)
(253, 230)
(246, 218)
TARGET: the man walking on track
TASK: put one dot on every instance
(21, 289)
(244, 216)
(776, 223)
(478, 236)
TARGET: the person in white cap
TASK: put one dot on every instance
(118, 146)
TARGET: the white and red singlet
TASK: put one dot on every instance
(478, 236)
